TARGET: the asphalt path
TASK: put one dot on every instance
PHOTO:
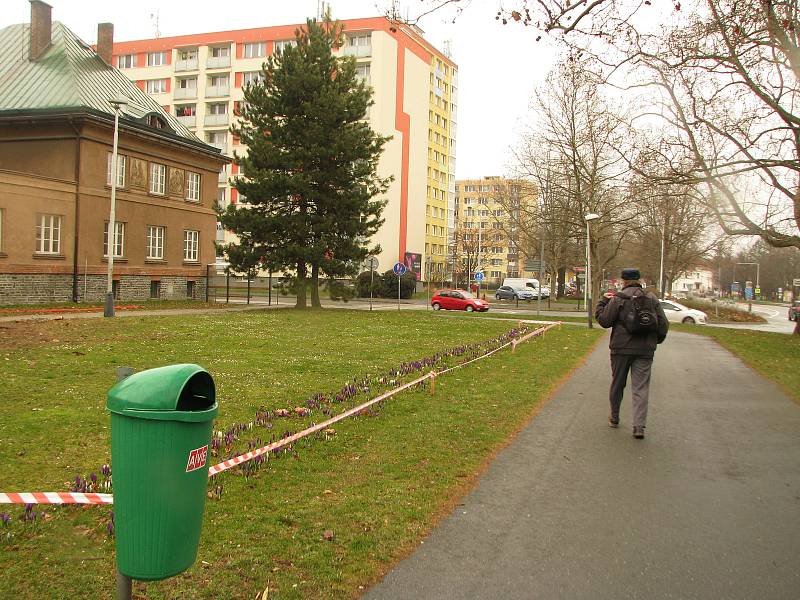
(706, 506)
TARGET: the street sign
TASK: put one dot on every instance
(371, 263)
(758, 291)
(796, 282)
(399, 268)
(535, 265)
(478, 276)
(581, 275)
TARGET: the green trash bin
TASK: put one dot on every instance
(161, 423)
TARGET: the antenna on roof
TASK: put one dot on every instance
(154, 19)
(323, 9)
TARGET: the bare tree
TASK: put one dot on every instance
(570, 155)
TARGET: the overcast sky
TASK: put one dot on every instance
(499, 66)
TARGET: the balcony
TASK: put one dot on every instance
(218, 62)
(215, 120)
(223, 176)
(185, 93)
(358, 51)
(190, 64)
(221, 145)
(188, 121)
(218, 91)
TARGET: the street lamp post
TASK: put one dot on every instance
(589, 218)
(118, 104)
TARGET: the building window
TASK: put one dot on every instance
(126, 61)
(252, 78)
(48, 234)
(193, 186)
(190, 245)
(220, 108)
(156, 59)
(191, 287)
(220, 52)
(187, 110)
(360, 40)
(155, 242)
(120, 169)
(282, 45)
(253, 50)
(188, 84)
(155, 289)
(119, 241)
(156, 86)
(218, 80)
(158, 178)
(362, 72)
(187, 54)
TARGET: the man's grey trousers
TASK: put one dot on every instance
(639, 367)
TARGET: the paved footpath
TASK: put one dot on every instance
(706, 506)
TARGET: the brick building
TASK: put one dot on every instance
(56, 135)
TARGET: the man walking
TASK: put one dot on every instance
(638, 325)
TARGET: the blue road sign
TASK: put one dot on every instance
(478, 276)
(399, 268)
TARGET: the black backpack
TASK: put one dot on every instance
(639, 314)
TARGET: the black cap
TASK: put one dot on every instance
(631, 274)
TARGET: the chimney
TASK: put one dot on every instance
(105, 41)
(41, 27)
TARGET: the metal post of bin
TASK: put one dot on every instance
(124, 583)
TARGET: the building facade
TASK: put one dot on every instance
(486, 232)
(199, 78)
(56, 139)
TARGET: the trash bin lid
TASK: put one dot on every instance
(182, 392)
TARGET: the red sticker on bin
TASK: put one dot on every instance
(197, 459)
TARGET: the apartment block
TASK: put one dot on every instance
(485, 237)
(200, 77)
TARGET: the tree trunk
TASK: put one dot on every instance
(315, 303)
(300, 284)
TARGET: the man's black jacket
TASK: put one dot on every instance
(607, 314)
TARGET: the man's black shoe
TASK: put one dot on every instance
(613, 423)
(638, 433)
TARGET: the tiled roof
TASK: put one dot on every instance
(70, 76)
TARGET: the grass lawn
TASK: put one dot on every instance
(376, 485)
(776, 356)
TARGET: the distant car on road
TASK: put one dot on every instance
(457, 300)
(508, 292)
(679, 313)
(794, 311)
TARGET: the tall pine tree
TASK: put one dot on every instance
(310, 174)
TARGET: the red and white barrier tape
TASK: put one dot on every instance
(55, 498)
(300, 434)
(90, 498)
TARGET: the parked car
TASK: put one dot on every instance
(681, 314)
(508, 292)
(794, 311)
(517, 282)
(457, 300)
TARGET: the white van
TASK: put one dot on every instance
(516, 282)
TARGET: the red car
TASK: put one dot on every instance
(457, 300)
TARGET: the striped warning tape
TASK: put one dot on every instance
(55, 498)
(227, 464)
(89, 498)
